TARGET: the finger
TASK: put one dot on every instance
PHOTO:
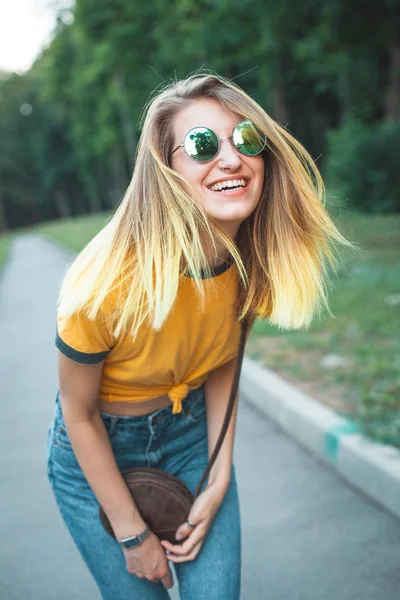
(191, 556)
(184, 530)
(168, 581)
(168, 550)
(187, 545)
(175, 549)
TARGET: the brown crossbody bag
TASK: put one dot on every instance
(163, 500)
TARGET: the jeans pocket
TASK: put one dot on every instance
(61, 437)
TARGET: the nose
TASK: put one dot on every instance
(228, 156)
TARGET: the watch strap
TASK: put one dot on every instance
(134, 540)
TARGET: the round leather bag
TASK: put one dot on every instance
(163, 501)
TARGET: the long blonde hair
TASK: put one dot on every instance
(158, 228)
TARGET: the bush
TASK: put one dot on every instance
(363, 164)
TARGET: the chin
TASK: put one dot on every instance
(229, 226)
(235, 216)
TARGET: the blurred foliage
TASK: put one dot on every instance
(68, 127)
(364, 162)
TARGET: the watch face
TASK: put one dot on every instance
(132, 543)
(135, 540)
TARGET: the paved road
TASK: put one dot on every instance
(306, 534)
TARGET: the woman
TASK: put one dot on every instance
(223, 220)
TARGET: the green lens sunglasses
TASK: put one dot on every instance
(203, 145)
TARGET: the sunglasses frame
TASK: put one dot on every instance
(219, 140)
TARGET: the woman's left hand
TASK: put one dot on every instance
(201, 515)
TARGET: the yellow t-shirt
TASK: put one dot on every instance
(174, 360)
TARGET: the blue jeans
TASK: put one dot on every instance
(177, 444)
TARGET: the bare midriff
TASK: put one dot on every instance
(134, 409)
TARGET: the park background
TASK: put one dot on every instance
(328, 71)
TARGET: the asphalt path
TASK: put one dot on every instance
(307, 535)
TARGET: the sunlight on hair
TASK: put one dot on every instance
(156, 234)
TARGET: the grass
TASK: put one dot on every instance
(74, 233)
(5, 242)
(362, 335)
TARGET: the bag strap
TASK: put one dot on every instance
(231, 403)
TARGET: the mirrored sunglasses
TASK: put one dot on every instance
(202, 144)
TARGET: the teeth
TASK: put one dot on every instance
(228, 184)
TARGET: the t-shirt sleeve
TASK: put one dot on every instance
(84, 340)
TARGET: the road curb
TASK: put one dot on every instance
(371, 467)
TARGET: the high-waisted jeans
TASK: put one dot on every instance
(177, 444)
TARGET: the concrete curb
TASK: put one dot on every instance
(371, 467)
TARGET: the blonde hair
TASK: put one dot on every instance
(158, 228)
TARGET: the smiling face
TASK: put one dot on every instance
(229, 207)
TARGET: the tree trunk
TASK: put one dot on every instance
(281, 112)
(392, 96)
(33, 215)
(63, 207)
(3, 221)
(128, 131)
(90, 185)
(118, 180)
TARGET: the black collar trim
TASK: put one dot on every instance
(214, 272)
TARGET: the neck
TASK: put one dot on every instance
(221, 255)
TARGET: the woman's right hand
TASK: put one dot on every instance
(149, 561)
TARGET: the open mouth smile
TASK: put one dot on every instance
(230, 186)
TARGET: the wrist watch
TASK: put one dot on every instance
(134, 540)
